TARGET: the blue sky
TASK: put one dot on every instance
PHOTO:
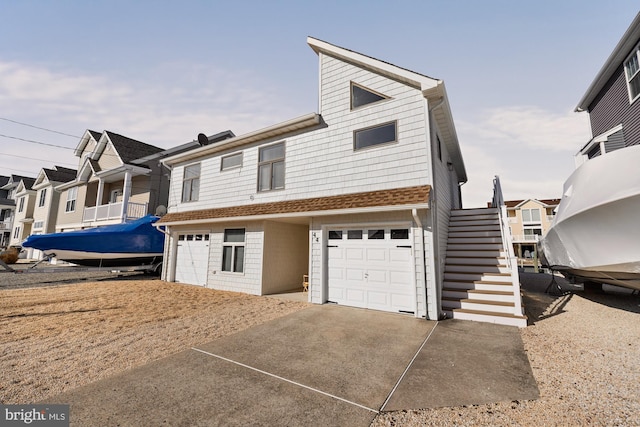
(162, 72)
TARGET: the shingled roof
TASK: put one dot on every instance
(396, 197)
(129, 149)
(60, 174)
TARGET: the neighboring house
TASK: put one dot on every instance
(529, 220)
(47, 199)
(119, 179)
(7, 206)
(357, 196)
(613, 99)
(23, 218)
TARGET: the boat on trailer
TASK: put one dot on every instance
(595, 234)
(119, 245)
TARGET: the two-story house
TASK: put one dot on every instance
(7, 206)
(357, 196)
(9, 190)
(119, 179)
(45, 211)
(613, 99)
(23, 217)
(529, 220)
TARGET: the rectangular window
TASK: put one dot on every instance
(191, 183)
(632, 73)
(233, 250)
(230, 162)
(530, 215)
(375, 234)
(400, 234)
(271, 167)
(376, 135)
(21, 204)
(38, 225)
(43, 197)
(354, 234)
(439, 147)
(72, 194)
(335, 234)
(16, 232)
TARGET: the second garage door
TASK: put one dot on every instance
(371, 268)
(192, 259)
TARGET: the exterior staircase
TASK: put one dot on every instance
(479, 281)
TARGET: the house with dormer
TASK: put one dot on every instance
(354, 199)
(23, 217)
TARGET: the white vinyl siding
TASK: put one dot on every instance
(322, 162)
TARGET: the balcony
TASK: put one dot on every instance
(526, 238)
(113, 211)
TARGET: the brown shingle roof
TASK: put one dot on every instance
(395, 197)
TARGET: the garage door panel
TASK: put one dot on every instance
(376, 254)
(371, 272)
(192, 259)
(355, 254)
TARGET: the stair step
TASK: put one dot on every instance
(478, 269)
(478, 294)
(454, 240)
(475, 254)
(502, 262)
(487, 316)
(474, 246)
(480, 285)
(474, 226)
(474, 234)
(473, 277)
(473, 221)
(477, 304)
(474, 211)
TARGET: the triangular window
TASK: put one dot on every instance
(361, 96)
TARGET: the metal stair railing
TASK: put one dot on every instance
(507, 242)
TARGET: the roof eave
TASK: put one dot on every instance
(309, 214)
(619, 54)
(297, 124)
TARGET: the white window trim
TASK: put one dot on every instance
(234, 245)
(636, 52)
(223, 169)
(198, 178)
(42, 199)
(72, 192)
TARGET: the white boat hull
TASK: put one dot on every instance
(596, 232)
(96, 259)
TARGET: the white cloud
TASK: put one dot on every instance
(166, 109)
(530, 148)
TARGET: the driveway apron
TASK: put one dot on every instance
(324, 365)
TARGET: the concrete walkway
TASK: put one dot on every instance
(325, 365)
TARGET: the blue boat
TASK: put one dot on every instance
(119, 245)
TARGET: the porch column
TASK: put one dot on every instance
(100, 192)
(126, 193)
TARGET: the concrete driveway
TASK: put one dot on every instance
(325, 365)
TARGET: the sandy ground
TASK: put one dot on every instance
(583, 348)
(56, 338)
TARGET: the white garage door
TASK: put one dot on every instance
(192, 259)
(371, 268)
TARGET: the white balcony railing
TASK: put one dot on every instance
(526, 238)
(112, 211)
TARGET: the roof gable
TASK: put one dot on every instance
(130, 149)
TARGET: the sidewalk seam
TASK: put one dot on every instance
(393, 390)
(285, 379)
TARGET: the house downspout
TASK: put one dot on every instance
(416, 218)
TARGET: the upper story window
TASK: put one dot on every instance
(72, 194)
(271, 167)
(43, 197)
(361, 96)
(632, 73)
(191, 183)
(21, 204)
(231, 161)
(530, 215)
(375, 135)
